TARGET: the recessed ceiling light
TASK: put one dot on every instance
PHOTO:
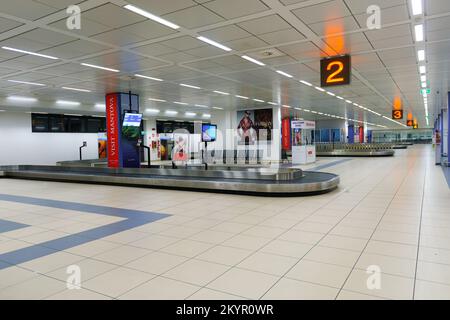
(201, 106)
(284, 73)
(100, 105)
(253, 60)
(30, 53)
(424, 84)
(259, 100)
(29, 83)
(21, 99)
(190, 114)
(306, 83)
(421, 55)
(422, 69)
(99, 67)
(147, 77)
(418, 29)
(157, 100)
(221, 92)
(423, 78)
(206, 115)
(189, 86)
(76, 89)
(68, 103)
(416, 7)
(151, 16)
(181, 103)
(214, 43)
(242, 97)
(152, 110)
(171, 112)
(320, 89)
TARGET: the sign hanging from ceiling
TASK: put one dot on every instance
(397, 114)
(409, 123)
(335, 71)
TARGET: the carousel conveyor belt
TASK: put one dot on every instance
(254, 181)
(353, 153)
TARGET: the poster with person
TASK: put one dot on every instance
(180, 152)
(254, 125)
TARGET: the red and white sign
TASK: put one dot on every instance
(112, 124)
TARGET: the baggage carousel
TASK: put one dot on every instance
(223, 179)
(356, 153)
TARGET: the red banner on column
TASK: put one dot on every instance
(112, 124)
(286, 133)
(361, 134)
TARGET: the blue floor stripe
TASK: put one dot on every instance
(6, 226)
(329, 164)
(133, 219)
(446, 171)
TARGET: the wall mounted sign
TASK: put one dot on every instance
(335, 71)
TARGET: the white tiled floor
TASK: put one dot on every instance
(388, 212)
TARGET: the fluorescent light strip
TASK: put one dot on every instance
(418, 29)
(170, 112)
(339, 97)
(189, 86)
(30, 53)
(213, 43)
(147, 77)
(157, 100)
(21, 99)
(242, 97)
(421, 55)
(259, 100)
(206, 115)
(320, 89)
(423, 78)
(221, 92)
(331, 93)
(152, 110)
(417, 8)
(26, 82)
(151, 16)
(99, 67)
(68, 103)
(284, 73)
(422, 69)
(286, 106)
(259, 63)
(424, 84)
(201, 106)
(181, 103)
(190, 114)
(272, 103)
(76, 89)
(100, 105)
(348, 101)
(306, 83)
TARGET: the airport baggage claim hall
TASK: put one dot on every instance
(224, 149)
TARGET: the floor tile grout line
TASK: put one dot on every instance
(362, 251)
(419, 233)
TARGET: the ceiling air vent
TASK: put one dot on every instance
(266, 54)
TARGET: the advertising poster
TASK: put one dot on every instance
(180, 151)
(254, 125)
(102, 145)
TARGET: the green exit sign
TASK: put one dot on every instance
(425, 91)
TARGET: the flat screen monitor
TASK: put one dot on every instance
(132, 120)
(209, 132)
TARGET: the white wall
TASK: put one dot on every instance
(18, 145)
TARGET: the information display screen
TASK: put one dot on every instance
(209, 132)
(132, 120)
